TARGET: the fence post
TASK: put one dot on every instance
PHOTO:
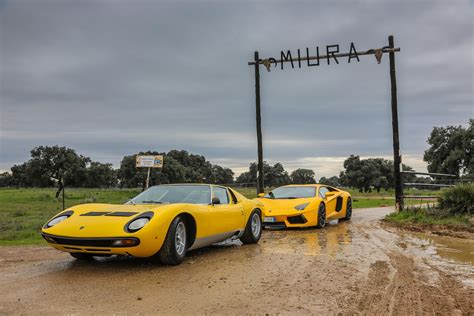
(397, 159)
(260, 185)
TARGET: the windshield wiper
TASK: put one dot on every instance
(154, 202)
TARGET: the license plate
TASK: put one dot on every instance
(269, 220)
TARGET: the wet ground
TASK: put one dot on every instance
(352, 267)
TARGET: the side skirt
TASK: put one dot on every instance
(213, 239)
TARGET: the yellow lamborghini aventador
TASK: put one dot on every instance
(162, 222)
(305, 205)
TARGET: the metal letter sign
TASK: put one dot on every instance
(332, 55)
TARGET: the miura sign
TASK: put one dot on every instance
(332, 54)
(303, 58)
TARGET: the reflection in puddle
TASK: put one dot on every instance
(452, 255)
(452, 249)
(311, 241)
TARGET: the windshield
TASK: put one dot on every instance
(291, 193)
(193, 194)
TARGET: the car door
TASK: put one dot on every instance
(329, 201)
(227, 216)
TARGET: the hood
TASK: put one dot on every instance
(99, 220)
(277, 207)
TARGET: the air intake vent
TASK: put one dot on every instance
(296, 219)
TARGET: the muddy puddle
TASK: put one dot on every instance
(456, 250)
(451, 255)
(310, 242)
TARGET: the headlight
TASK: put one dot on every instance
(301, 206)
(138, 224)
(57, 220)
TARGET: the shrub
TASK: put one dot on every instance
(458, 199)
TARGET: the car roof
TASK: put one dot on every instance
(303, 185)
(193, 184)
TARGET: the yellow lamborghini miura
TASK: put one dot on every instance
(162, 222)
(305, 205)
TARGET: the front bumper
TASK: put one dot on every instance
(99, 246)
(305, 219)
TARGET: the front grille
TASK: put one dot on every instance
(89, 242)
(299, 219)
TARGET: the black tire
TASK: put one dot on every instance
(174, 248)
(82, 256)
(348, 210)
(253, 229)
(321, 216)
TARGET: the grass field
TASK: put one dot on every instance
(425, 217)
(24, 211)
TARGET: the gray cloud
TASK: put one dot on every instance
(111, 78)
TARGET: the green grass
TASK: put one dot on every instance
(429, 217)
(24, 211)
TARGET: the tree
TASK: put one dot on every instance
(6, 179)
(100, 175)
(179, 167)
(55, 163)
(451, 150)
(221, 175)
(371, 173)
(131, 177)
(302, 176)
(332, 181)
(273, 175)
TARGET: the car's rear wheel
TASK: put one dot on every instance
(321, 216)
(253, 229)
(174, 247)
(82, 256)
(348, 209)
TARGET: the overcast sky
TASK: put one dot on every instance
(111, 78)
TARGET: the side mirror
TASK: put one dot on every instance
(215, 201)
(329, 194)
(261, 194)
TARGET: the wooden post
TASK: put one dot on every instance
(260, 185)
(64, 194)
(148, 178)
(397, 159)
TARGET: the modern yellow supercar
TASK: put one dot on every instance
(163, 222)
(305, 205)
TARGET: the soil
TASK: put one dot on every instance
(355, 267)
(440, 230)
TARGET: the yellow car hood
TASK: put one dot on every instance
(275, 207)
(99, 220)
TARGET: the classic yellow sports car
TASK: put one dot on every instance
(305, 205)
(162, 222)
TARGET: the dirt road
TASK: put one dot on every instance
(352, 267)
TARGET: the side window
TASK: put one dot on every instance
(221, 193)
(234, 198)
(322, 192)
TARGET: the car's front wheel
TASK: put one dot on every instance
(174, 247)
(253, 229)
(321, 216)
